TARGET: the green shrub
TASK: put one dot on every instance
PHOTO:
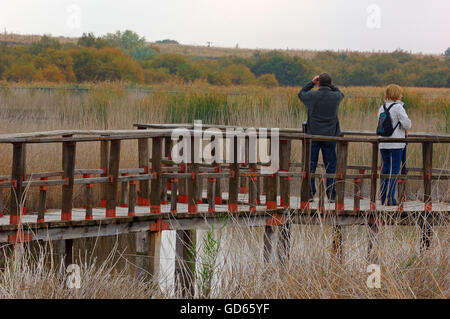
(268, 80)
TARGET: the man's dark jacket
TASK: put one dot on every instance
(322, 107)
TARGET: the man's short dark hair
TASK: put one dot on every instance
(324, 79)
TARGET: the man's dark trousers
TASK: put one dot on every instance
(329, 160)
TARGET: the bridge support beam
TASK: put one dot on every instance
(141, 255)
(185, 258)
(341, 170)
(427, 232)
(373, 221)
(65, 251)
(148, 247)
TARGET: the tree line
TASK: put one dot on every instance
(126, 56)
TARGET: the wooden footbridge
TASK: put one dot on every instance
(159, 194)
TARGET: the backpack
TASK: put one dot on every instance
(384, 127)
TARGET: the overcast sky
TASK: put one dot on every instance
(413, 25)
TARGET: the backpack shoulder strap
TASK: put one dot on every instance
(390, 106)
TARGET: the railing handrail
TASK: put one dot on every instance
(282, 130)
(98, 135)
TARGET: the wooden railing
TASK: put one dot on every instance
(165, 174)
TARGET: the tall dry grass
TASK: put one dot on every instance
(236, 268)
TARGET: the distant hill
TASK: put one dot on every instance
(186, 49)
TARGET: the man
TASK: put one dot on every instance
(322, 106)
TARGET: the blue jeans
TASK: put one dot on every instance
(392, 159)
(329, 160)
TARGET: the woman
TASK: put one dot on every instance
(391, 153)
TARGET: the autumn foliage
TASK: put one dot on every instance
(125, 56)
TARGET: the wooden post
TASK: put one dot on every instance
(271, 196)
(218, 185)
(17, 175)
(285, 155)
(285, 198)
(124, 193)
(306, 180)
(24, 165)
(132, 199)
(155, 206)
(244, 180)
(341, 173)
(199, 194)
(182, 183)
(141, 255)
(68, 163)
(193, 181)
(357, 193)
(185, 257)
(66, 251)
(284, 241)
(166, 184)
(143, 196)
(264, 186)
(270, 233)
(174, 196)
(182, 186)
(401, 193)
(113, 170)
(252, 188)
(218, 190)
(373, 220)
(373, 179)
(89, 199)
(1, 201)
(337, 247)
(427, 154)
(211, 194)
(104, 160)
(342, 151)
(234, 180)
(322, 183)
(42, 201)
(154, 249)
(258, 188)
(155, 194)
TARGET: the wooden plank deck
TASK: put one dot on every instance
(100, 225)
(54, 215)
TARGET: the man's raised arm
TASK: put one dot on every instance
(304, 95)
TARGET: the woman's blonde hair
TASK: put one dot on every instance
(393, 92)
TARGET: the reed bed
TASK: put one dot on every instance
(230, 264)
